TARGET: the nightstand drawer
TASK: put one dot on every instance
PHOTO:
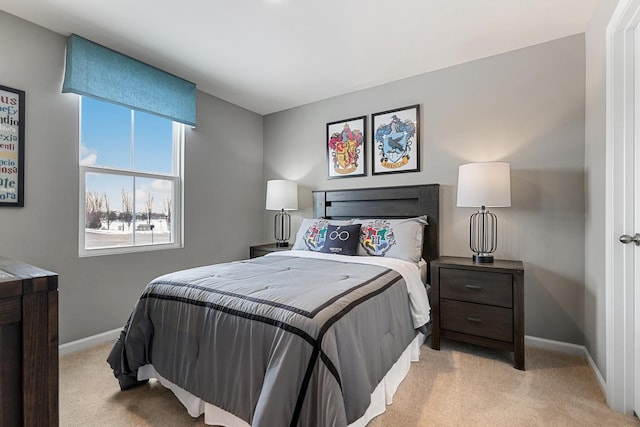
(476, 286)
(477, 319)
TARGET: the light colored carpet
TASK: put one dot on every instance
(461, 385)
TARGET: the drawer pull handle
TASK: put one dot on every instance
(474, 319)
(476, 287)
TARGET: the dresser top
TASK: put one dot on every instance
(22, 270)
(17, 277)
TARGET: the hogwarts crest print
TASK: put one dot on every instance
(346, 147)
(396, 140)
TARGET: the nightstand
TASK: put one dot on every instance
(262, 250)
(480, 304)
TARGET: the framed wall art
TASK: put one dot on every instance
(396, 140)
(346, 147)
(11, 147)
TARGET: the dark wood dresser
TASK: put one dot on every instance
(479, 303)
(28, 345)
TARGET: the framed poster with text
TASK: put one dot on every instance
(11, 147)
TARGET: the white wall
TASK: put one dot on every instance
(224, 197)
(525, 107)
(595, 138)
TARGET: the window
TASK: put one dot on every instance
(130, 180)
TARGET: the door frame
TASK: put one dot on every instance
(619, 280)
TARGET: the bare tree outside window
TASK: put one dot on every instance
(110, 215)
(148, 204)
(167, 209)
(126, 213)
(93, 210)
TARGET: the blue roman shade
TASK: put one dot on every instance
(96, 71)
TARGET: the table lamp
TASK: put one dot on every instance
(483, 185)
(282, 195)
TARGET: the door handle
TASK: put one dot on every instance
(626, 239)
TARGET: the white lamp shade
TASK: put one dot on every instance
(282, 194)
(484, 184)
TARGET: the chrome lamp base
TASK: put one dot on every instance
(483, 235)
(282, 229)
(482, 258)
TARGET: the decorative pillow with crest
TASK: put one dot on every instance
(312, 233)
(393, 238)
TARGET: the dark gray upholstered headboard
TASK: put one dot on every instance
(386, 202)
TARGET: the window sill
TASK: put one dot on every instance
(85, 253)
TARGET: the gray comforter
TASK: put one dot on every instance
(276, 340)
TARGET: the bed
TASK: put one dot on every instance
(294, 338)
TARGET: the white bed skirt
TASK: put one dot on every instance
(380, 398)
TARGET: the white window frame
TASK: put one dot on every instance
(178, 131)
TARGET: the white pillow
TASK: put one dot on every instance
(312, 233)
(393, 238)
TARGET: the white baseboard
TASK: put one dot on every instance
(562, 347)
(565, 347)
(596, 371)
(81, 344)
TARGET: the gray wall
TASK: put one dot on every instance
(595, 139)
(526, 107)
(224, 200)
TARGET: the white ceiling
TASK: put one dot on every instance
(270, 55)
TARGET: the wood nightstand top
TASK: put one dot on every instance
(261, 250)
(467, 262)
(271, 247)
